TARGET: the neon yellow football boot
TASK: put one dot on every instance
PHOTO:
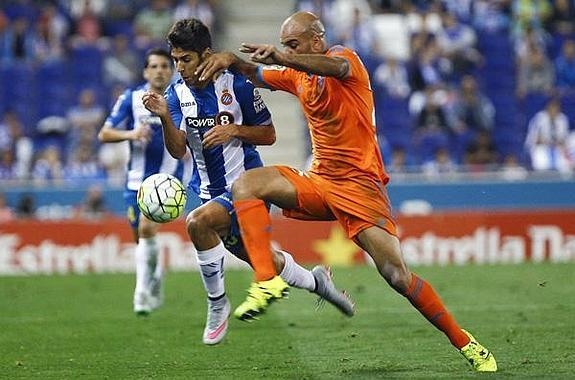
(260, 295)
(478, 356)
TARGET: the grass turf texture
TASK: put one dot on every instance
(83, 327)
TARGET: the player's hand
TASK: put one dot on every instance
(213, 66)
(142, 133)
(262, 53)
(219, 135)
(155, 103)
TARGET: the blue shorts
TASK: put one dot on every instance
(132, 210)
(233, 241)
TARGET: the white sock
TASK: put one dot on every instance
(211, 262)
(146, 259)
(159, 271)
(296, 275)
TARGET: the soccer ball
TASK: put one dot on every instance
(161, 198)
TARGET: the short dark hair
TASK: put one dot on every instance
(191, 35)
(157, 51)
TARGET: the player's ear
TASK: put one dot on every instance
(206, 53)
(145, 74)
(317, 43)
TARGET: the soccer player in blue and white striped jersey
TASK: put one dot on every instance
(221, 121)
(131, 121)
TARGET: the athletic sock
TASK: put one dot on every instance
(146, 256)
(255, 224)
(296, 275)
(423, 297)
(211, 262)
(159, 270)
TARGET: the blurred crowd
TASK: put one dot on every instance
(63, 63)
(465, 85)
(460, 85)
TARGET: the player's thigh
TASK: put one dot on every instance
(360, 204)
(213, 215)
(310, 203)
(266, 183)
(132, 212)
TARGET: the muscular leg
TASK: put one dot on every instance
(146, 254)
(147, 295)
(204, 226)
(211, 221)
(249, 192)
(385, 250)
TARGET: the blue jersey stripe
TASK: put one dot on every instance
(148, 159)
(196, 110)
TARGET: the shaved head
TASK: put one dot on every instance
(303, 33)
(303, 22)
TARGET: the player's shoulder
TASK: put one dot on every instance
(339, 49)
(177, 83)
(126, 96)
(142, 87)
(231, 77)
(174, 87)
(343, 52)
(240, 83)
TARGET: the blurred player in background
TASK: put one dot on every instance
(347, 179)
(221, 121)
(131, 121)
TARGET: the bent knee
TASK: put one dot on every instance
(398, 277)
(198, 221)
(400, 280)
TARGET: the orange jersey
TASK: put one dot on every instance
(340, 115)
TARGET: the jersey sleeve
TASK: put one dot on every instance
(356, 67)
(254, 109)
(174, 106)
(278, 78)
(121, 111)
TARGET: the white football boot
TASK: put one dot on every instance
(217, 321)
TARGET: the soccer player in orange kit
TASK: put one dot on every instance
(347, 178)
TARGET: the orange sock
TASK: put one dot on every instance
(255, 224)
(423, 297)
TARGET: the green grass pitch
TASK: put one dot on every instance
(72, 327)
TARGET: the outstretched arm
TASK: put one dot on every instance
(212, 66)
(174, 138)
(318, 64)
(108, 134)
(268, 54)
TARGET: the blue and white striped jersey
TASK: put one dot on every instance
(230, 99)
(145, 159)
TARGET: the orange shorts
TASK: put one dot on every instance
(357, 203)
